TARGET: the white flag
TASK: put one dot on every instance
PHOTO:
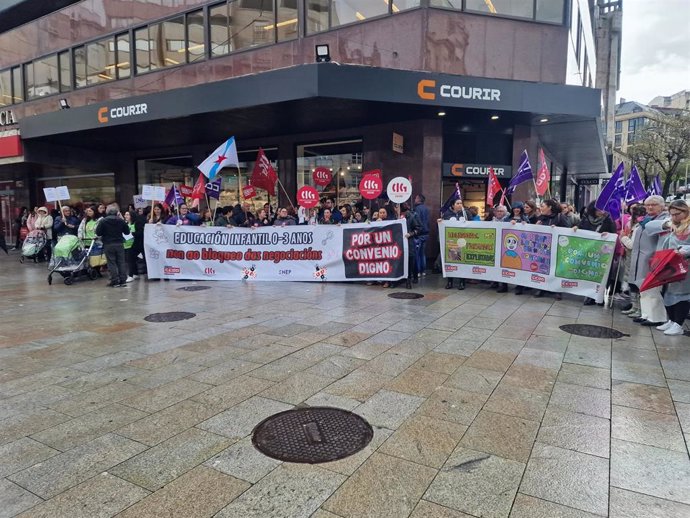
(225, 155)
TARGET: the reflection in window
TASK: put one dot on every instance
(124, 58)
(518, 8)
(349, 11)
(17, 90)
(287, 20)
(65, 64)
(79, 67)
(141, 46)
(165, 171)
(195, 34)
(252, 23)
(403, 5)
(5, 88)
(100, 61)
(229, 193)
(317, 15)
(43, 78)
(171, 42)
(550, 11)
(219, 24)
(29, 81)
(450, 4)
(344, 159)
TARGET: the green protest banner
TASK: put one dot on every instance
(583, 259)
(472, 246)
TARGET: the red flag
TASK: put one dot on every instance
(543, 175)
(248, 191)
(503, 198)
(199, 190)
(493, 188)
(264, 176)
(185, 190)
(665, 266)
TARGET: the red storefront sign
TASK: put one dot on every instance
(10, 146)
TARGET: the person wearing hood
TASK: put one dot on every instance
(596, 220)
(44, 222)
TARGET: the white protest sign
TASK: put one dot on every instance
(50, 194)
(139, 201)
(62, 193)
(399, 189)
(153, 192)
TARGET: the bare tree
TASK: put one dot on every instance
(661, 146)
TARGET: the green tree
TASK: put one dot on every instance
(661, 146)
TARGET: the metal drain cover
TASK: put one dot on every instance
(312, 435)
(194, 288)
(592, 331)
(405, 295)
(173, 316)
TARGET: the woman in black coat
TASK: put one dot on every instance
(599, 221)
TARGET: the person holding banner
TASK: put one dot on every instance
(550, 214)
(677, 294)
(599, 221)
(184, 217)
(531, 212)
(456, 212)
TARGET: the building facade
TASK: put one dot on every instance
(104, 97)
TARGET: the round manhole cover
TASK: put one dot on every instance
(592, 331)
(194, 288)
(312, 435)
(405, 295)
(173, 316)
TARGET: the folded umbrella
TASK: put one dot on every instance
(666, 266)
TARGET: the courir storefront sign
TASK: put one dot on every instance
(106, 114)
(430, 90)
(476, 170)
(7, 118)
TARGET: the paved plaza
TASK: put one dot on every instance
(481, 406)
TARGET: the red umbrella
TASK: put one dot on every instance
(665, 266)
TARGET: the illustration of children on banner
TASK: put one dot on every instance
(526, 250)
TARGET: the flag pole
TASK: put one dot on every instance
(286, 195)
(239, 185)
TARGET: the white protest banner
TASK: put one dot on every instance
(541, 257)
(139, 201)
(50, 193)
(153, 192)
(62, 193)
(356, 252)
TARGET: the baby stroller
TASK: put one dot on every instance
(33, 245)
(71, 259)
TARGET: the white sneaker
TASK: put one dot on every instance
(674, 330)
(129, 279)
(664, 327)
(135, 276)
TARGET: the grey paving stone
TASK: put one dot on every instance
(58, 473)
(163, 463)
(529, 507)
(680, 390)
(335, 367)
(349, 465)
(426, 509)
(388, 409)
(578, 432)
(14, 499)
(582, 400)
(359, 385)
(585, 375)
(238, 422)
(162, 375)
(502, 435)
(242, 460)
(389, 363)
(517, 402)
(593, 355)
(638, 373)
(153, 400)
(99, 497)
(627, 504)
(644, 397)
(298, 387)
(21, 454)
(294, 490)
(451, 404)
(476, 483)
(650, 428)
(326, 399)
(649, 470)
(106, 361)
(231, 393)
(474, 380)
(567, 477)
(89, 401)
(88, 426)
(224, 372)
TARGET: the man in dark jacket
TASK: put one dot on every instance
(111, 230)
(414, 227)
(422, 212)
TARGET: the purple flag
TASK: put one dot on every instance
(655, 188)
(612, 194)
(524, 174)
(173, 197)
(634, 189)
(213, 188)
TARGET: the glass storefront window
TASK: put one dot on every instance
(196, 49)
(100, 61)
(170, 43)
(317, 15)
(219, 23)
(79, 67)
(344, 159)
(448, 4)
(83, 190)
(17, 85)
(29, 81)
(229, 194)
(288, 23)
(517, 8)
(65, 64)
(41, 77)
(403, 5)
(350, 11)
(124, 57)
(252, 23)
(550, 10)
(165, 171)
(142, 45)
(5, 88)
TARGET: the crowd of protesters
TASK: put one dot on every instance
(643, 229)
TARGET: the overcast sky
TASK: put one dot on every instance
(656, 49)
